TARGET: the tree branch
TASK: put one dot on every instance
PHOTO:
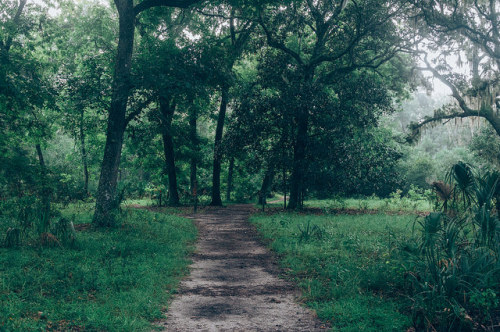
(484, 112)
(8, 43)
(146, 4)
(138, 109)
(278, 45)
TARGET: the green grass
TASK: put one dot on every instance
(114, 280)
(380, 204)
(348, 267)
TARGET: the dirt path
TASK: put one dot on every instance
(233, 285)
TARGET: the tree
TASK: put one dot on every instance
(106, 203)
(324, 42)
(234, 34)
(457, 29)
(84, 40)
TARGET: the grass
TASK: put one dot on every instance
(373, 203)
(113, 280)
(348, 267)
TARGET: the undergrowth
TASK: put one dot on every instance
(348, 267)
(115, 280)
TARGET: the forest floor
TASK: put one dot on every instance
(234, 283)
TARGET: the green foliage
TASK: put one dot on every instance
(116, 280)
(456, 271)
(348, 267)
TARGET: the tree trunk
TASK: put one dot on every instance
(216, 194)
(167, 112)
(45, 192)
(299, 154)
(266, 186)
(284, 187)
(106, 202)
(193, 136)
(84, 156)
(230, 179)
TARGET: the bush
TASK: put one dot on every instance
(455, 277)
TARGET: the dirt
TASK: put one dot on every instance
(234, 283)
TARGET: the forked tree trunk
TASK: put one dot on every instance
(216, 194)
(167, 112)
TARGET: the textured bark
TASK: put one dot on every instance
(230, 179)
(216, 194)
(167, 112)
(106, 202)
(299, 154)
(266, 186)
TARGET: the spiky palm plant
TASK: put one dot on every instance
(457, 270)
(463, 180)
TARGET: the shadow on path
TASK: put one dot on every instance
(234, 284)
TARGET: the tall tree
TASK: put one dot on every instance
(324, 42)
(236, 32)
(462, 33)
(106, 203)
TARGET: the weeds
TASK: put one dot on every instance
(117, 280)
(347, 266)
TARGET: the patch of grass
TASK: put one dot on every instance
(348, 267)
(372, 203)
(117, 280)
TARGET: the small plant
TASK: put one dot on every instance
(64, 230)
(12, 237)
(308, 232)
(363, 205)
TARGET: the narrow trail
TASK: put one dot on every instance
(234, 284)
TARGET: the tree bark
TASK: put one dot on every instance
(216, 194)
(299, 154)
(167, 112)
(284, 187)
(106, 202)
(84, 156)
(193, 136)
(45, 192)
(230, 179)
(266, 186)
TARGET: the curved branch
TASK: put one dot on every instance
(278, 45)
(146, 4)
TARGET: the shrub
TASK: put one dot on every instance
(455, 277)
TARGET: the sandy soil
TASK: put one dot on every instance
(234, 284)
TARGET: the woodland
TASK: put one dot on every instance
(117, 116)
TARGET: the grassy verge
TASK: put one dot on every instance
(116, 280)
(373, 203)
(347, 266)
